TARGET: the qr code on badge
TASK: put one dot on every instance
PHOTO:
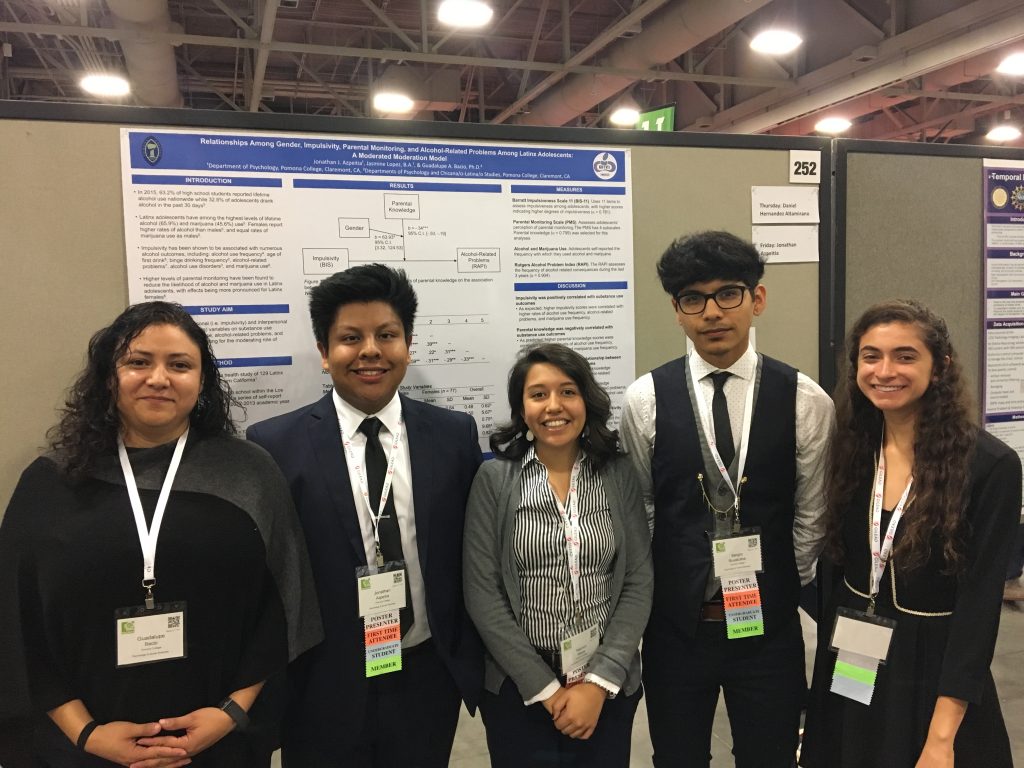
(173, 622)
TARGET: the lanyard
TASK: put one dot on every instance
(881, 549)
(570, 512)
(709, 431)
(385, 490)
(148, 538)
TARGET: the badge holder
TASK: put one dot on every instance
(861, 642)
(381, 592)
(576, 652)
(736, 558)
(146, 635)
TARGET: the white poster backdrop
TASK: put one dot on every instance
(506, 245)
(1003, 302)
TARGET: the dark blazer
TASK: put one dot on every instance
(328, 682)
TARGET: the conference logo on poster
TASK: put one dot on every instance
(605, 166)
(1017, 198)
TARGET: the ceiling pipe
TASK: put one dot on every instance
(668, 33)
(152, 69)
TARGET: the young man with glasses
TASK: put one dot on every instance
(730, 447)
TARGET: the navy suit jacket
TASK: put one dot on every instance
(328, 682)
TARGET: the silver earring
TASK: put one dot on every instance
(529, 435)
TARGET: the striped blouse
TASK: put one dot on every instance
(539, 548)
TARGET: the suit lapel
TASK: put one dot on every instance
(421, 463)
(325, 436)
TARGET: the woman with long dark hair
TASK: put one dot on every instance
(922, 508)
(557, 572)
(152, 572)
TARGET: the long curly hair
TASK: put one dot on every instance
(944, 438)
(90, 422)
(601, 443)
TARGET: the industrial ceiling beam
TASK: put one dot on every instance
(964, 32)
(384, 55)
(599, 43)
(386, 20)
(263, 53)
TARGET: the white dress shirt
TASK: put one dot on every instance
(815, 424)
(401, 490)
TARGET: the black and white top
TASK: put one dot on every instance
(549, 613)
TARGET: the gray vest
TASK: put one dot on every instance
(714, 484)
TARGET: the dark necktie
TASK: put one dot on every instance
(720, 414)
(387, 527)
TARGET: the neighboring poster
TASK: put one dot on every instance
(505, 244)
(1003, 343)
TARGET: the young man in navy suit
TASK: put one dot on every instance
(377, 477)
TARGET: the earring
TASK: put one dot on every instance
(529, 435)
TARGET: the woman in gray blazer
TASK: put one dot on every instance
(557, 572)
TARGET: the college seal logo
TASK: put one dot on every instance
(999, 197)
(151, 150)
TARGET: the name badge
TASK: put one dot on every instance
(146, 636)
(577, 651)
(736, 556)
(381, 592)
(861, 643)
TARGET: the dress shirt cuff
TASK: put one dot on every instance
(611, 688)
(546, 693)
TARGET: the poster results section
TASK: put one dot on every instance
(1003, 347)
(505, 245)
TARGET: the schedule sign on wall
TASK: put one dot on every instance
(1003, 348)
(505, 244)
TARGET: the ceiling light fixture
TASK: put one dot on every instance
(464, 13)
(397, 90)
(624, 116)
(1012, 65)
(392, 102)
(1003, 133)
(105, 85)
(776, 42)
(832, 125)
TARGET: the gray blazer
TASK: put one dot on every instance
(491, 580)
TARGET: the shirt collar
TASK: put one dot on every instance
(744, 368)
(531, 455)
(350, 417)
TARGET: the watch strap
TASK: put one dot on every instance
(235, 712)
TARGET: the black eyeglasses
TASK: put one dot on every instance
(726, 297)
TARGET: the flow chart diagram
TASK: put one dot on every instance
(380, 244)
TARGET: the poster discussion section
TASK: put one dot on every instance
(506, 245)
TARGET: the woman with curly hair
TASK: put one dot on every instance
(152, 572)
(922, 508)
(557, 572)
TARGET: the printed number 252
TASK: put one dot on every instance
(804, 168)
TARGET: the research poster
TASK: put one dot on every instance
(506, 245)
(1003, 348)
